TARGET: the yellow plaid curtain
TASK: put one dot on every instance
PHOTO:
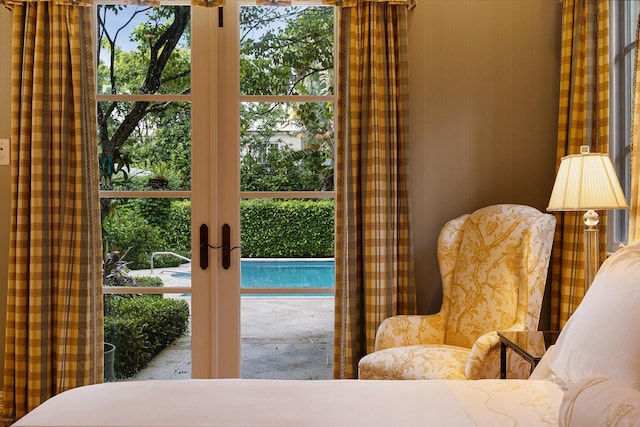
(634, 206)
(352, 3)
(374, 261)
(54, 306)
(11, 3)
(583, 120)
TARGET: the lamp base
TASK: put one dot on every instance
(591, 247)
(591, 255)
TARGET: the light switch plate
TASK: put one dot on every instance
(4, 152)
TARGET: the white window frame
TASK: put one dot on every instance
(330, 195)
(143, 194)
(622, 56)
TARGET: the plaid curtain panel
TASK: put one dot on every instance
(10, 3)
(374, 257)
(583, 120)
(54, 306)
(352, 3)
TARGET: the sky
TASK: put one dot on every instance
(116, 21)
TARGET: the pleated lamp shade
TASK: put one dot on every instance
(586, 181)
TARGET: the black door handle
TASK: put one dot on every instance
(225, 246)
(204, 246)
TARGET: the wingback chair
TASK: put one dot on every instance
(494, 265)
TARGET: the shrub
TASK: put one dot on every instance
(156, 211)
(115, 271)
(270, 228)
(128, 231)
(287, 228)
(140, 327)
(148, 282)
(176, 234)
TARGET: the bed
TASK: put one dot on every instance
(281, 403)
(590, 377)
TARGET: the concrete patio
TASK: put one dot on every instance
(282, 338)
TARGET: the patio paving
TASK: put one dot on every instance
(282, 338)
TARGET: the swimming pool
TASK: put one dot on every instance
(287, 273)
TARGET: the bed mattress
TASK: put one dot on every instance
(283, 403)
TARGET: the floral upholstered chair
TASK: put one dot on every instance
(494, 265)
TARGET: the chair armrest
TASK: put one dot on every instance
(398, 331)
(485, 352)
(480, 353)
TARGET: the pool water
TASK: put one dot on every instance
(287, 274)
(283, 274)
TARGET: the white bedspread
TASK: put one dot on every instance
(280, 403)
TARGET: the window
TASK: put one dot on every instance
(623, 51)
(287, 99)
(287, 103)
(144, 141)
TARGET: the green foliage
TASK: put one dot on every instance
(148, 282)
(115, 271)
(283, 171)
(128, 228)
(144, 226)
(160, 64)
(155, 211)
(270, 228)
(140, 327)
(287, 228)
(177, 232)
(295, 58)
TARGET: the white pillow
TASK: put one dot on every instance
(600, 401)
(601, 337)
(542, 370)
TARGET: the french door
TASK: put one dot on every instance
(265, 97)
(169, 181)
(199, 120)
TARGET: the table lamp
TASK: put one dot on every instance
(587, 182)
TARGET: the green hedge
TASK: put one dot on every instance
(140, 327)
(270, 228)
(286, 228)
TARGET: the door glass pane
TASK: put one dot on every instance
(287, 228)
(144, 125)
(286, 50)
(286, 146)
(143, 49)
(141, 227)
(145, 146)
(147, 245)
(287, 286)
(141, 327)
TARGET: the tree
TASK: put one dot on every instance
(283, 51)
(286, 51)
(159, 64)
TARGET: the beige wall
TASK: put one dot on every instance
(484, 84)
(5, 205)
(484, 90)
